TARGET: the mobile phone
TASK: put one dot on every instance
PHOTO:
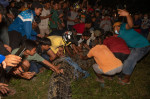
(18, 53)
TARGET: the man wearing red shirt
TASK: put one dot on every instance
(117, 45)
(81, 27)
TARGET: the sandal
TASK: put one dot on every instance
(100, 80)
(123, 83)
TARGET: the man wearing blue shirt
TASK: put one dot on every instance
(21, 28)
(139, 45)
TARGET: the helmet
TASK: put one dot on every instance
(69, 38)
(76, 6)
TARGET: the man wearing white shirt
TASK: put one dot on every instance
(45, 15)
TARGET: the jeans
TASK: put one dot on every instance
(135, 55)
(35, 66)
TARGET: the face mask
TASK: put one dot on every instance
(116, 32)
(145, 17)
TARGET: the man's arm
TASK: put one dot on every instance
(51, 66)
(86, 46)
(126, 14)
(68, 51)
(52, 55)
(28, 29)
(45, 17)
(27, 75)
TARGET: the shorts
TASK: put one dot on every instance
(111, 72)
(44, 31)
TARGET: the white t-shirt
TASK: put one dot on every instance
(107, 25)
(44, 22)
(72, 17)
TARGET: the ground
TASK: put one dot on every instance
(88, 88)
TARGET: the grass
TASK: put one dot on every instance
(88, 88)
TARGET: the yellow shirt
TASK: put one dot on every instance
(104, 58)
(56, 41)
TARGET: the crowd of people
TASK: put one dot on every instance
(44, 30)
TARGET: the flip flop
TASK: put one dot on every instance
(86, 75)
(123, 83)
(109, 78)
(99, 80)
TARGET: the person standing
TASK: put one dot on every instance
(21, 28)
(45, 15)
(139, 45)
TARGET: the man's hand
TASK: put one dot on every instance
(123, 12)
(57, 70)
(8, 48)
(39, 35)
(126, 14)
(12, 60)
(11, 16)
(28, 75)
(61, 15)
(18, 70)
(3, 88)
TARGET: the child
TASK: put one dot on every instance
(28, 55)
(82, 43)
(42, 49)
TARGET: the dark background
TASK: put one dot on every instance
(142, 6)
(132, 5)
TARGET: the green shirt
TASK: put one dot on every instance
(55, 18)
(132, 38)
(35, 57)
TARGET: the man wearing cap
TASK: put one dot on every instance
(22, 25)
(138, 44)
